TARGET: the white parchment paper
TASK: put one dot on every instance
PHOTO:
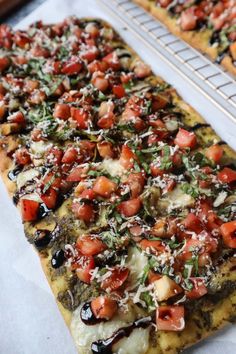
(30, 322)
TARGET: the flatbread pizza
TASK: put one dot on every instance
(209, 26)
(127, 195)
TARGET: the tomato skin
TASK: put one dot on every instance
(118, 91)
(112, 60)
(90, 53)
(97, 66)
(127, 157)
(99, 81)
(17, 117)
(104, 187)
(70, 155)
(77, 174)
(105, 149)
(116, 279)
(142, 70)
(130, 207)
(22, 156)
(83, 266)
(72, 66)
(185, 139)
(4, 63)
(228, 231)
(103, 307)
(170, 318)
(83, 211)
(136, 183)
(199, 289)
(29, 209)
(154, 246)
(61, 111)
(106, 122)
(193, 223)
(80, 116)
(21, 39)
(156, 170)
(50, 198)
(90, 246)
(54, 155)
(188, 20)
(227, 175)
(214, 153)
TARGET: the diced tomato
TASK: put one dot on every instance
(90, 245)
(160, 101)
(21, 39)
(62, 111)
(54, 155)
(185, 139)
(89, 53)
(153, 276)
(164, 3)
(2, 109)
(227, 175)
(31, 85)
(112, 60)
(105, 149)
(170, 318)
(92, 30)
(83, 267)
(228, 231)
(5, 36)
(154, 246)
(126, 77)
(130, 207)
(4, 63)
(29, 209)
(136, 231)
(118, 91)
(204, 259)
(72, 66)
(99, 81)
(188, 20)
(116, 279)
(104, 186)
(77, 174)
(103, 307)
(17, 117)
(198, 290)
(97, 65)
(70, 155)
(83, 211)
(22, 156)
(39, 51)
(156, 170)
(88, 194)
(193, 223)
(190, 246)
(106, 122)
(81, 117)
(50, 198)
(37, 97)
(136, 183)
(127, 157)
(214, 153)
(36, 134)
(142, 70)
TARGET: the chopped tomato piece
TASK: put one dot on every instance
(83, 267)
(129, 207)
(89, 53)
(156, 170)
(21, 39)
(62, 111)
(142, 70)
(72, 66)
(17, 117)
(118, 91)
(153, 276)
(106, 122)
(136, 183)
(127, 157)
(81, 117)
(4, 63)
(170, 318)
(164, 3)
(70, 155)
(22, 156)
(83, 211)
(90, 245)
(185, 139)
(103, 307)
(198, 289)
(116, 279)
(54, 155)
(104, 187)
(228, 231)
(112, 60)
(214, 153)
(31, 85)
(227, 175)
(154, 246)
(97, 66)
(92, 30)
(105, 149)
(193, 223)
(188, 20)
(99, 81)
(77, 174)
(29, 209)
(50, 198)
(88, 194)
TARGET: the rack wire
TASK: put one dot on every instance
(209, 77)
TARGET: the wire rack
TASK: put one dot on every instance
(208, 77)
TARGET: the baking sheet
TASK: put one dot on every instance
(30, 320)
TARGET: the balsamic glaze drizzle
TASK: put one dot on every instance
(104, 346)
(198, 126)
(14, 173)
(87, 315)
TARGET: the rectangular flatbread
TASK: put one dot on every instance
(127, 195)
(209, 26)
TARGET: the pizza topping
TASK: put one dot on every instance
(170, 318)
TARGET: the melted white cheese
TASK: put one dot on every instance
(136, 262)
(25, 177)
(113, 167)
(84, 335)
(178, 199)
(38, 148)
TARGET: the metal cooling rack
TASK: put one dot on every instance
(207, 77)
